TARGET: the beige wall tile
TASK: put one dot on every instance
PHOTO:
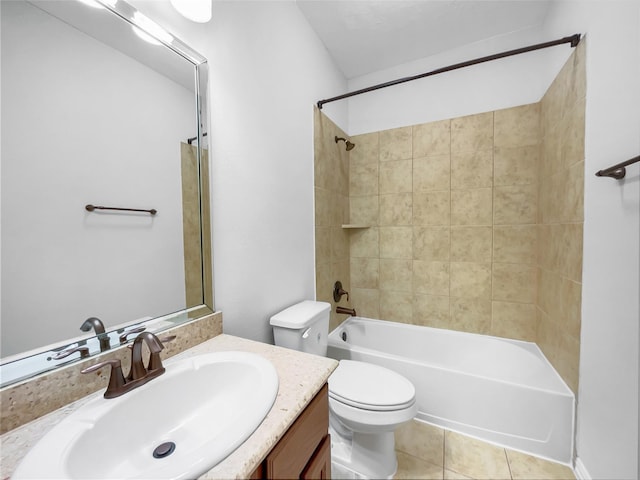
(515, 165)
(572, 240)
(363, 179)
(514, 282)
(396, 242)
(366, 302)
(363, 210)
(432, 173)
(395, 176)
(573, 135)
(323, 207)
(474, 458)
(431, 278)
(571, 309)
(367, 148)
(324, 282)
(515, 244)
(396, 275)
(396, 209)
(364, 272)
(567, 360)
(323, 244)
(431, 311)
(432, 208)
(432, 138)
(547, 336)
(471, 133)
(471, 314)
(471, 244)
(470, 280)
(472, 169)
(396, 306)
(339, 244)
(395, 144)
(431, 243)
(526, 467)
(517, 126)
(515, 205)
(365, 242)
(514, 320)
(549, 293)
(421, 440)
(471, 207)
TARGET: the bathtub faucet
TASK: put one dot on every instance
(348, 311)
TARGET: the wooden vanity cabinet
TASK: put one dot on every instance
(305, 449)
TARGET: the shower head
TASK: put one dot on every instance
(348, 144)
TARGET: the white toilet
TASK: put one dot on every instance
(367, 402)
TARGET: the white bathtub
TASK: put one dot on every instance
(498, 390)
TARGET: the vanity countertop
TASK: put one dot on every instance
(301, 376)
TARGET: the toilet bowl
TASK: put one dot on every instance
(366, 402)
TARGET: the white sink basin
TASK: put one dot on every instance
(206, 405)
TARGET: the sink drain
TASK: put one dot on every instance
(164, 450)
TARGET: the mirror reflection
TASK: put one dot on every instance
(95, 114)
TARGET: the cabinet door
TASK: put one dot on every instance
(319, 467)
(292, 453)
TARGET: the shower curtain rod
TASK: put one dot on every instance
(573, 40)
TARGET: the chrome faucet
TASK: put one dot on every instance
(139, 374)
(98, 327)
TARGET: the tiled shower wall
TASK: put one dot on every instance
(474, 223)
(560, 217)
(331, 189)
(452, 211)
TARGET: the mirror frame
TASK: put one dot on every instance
(34, 362)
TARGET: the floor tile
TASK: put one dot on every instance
(475, 458)
(526, 467)
(451, 475)
(410, 467)
(421, 440)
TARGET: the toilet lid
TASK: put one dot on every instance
(371, 387)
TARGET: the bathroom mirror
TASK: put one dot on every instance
(100, 106)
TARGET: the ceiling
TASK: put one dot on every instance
(365, 36)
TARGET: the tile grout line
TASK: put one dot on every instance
(508, 463)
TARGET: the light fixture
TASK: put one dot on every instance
(195, 10)
(150, 31)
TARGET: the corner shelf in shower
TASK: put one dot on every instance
(354, 226)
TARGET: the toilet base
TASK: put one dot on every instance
(362, 455)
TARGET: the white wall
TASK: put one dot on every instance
(72, 110)
(267, 69)
(494, 85)
(607, 427)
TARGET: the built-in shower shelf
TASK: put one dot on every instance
(354, 226)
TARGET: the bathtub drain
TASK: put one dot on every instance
(344, 336)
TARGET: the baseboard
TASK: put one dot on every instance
(581, 471)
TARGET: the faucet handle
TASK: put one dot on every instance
(123, 338)
(116, 380)
(338, 292)
(84, 352)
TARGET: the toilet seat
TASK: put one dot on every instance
(370, 387)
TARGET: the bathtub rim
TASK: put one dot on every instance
(335, 341)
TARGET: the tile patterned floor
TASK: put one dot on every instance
(428, 452)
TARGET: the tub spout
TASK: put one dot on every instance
(348, 311)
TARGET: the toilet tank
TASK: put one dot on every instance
(303, 327)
